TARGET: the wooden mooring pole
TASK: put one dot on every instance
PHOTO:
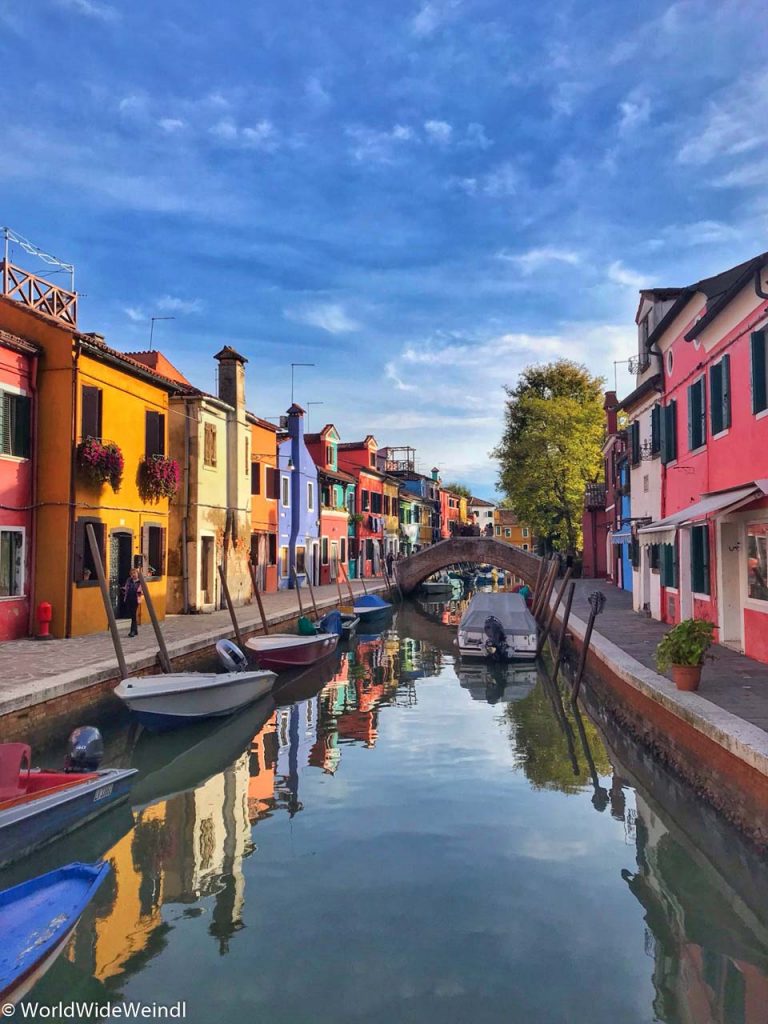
(99, 565)
(596, 604)
(546, 590)
(298, 592)
(312, 595)
(162, 653)
(230, 606)
(553, 613)
(259, 602)
(538, 582)
(563, 630)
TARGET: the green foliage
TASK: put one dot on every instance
(686, 644)
(551, 448)
(461, 489)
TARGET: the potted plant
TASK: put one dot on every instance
(683, 650)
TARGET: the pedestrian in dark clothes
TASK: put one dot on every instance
(132, 599)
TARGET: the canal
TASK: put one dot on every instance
(406, 839)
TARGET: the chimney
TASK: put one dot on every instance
(296, 422)
(435, 473)
(231, 377)
(611, 406)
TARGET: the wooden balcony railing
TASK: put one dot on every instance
(36, 293)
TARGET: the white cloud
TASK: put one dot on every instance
(370, 145)
(533, 259)
(439, 132)
(704, 232)
(170, 124)
(634, 112)
(132, 104)
(173, 304)
(391, 375)
(135, 314)
(755, 172)
(316, 92)
(734, 124)
(426, 20)
(225, 129)
(504, 180)
(328, 316)
(261, 135)
(90, 9)
(475, 137)
(625, 277)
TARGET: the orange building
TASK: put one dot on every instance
(508, 528)
(265, 493)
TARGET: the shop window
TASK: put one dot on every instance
(720, 395)
(90, 412)
(669, 432)
(154, 434)
(153, 549)
(85, 567)
(14, 424)
(759, 378)
(11, 562)
(697, 415)
(757, 561)
(669, 565)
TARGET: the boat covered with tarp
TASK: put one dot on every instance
(497, 626)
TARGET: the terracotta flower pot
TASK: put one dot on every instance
(686, 677)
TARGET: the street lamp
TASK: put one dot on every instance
(293, 367)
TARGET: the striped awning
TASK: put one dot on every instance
(622, 536)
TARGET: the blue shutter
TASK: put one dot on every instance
(758, 372)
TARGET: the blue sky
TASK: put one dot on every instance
(419, 197)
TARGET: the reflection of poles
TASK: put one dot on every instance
(553, 692)
(553, 613)
(600, 795)
(596, 605)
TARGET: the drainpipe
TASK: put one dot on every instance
(72, 496)
(185, 518)
(31, 558)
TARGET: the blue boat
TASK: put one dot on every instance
(36, 919)
(367, 606)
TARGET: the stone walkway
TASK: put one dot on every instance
(32, 671)
(731, 681)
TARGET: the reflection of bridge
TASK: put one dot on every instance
(416, 568)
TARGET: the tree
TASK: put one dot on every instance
(550, 448)
(460, 489)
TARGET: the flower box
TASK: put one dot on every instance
(101, 462)
(158, 478)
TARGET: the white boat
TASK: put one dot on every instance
(498, 626)
(180, 698)
(440, 583)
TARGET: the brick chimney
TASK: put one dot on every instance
(611, 406)
(231, 377)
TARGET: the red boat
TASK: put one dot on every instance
(280, 651)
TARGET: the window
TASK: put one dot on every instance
(343, 549)
(283, 561)
(654, 558)
(498, 531)
(656, 429)
(634, 553)
(310, 496)
(507, 533)
(757, 561)
(670, 362)
(209, 444)
(301, 559)
(668, 422)
(700, 559)
(272, 549)
(154, 433)
(90, 412)
(669, 565)
(365, 501)
(11, 562)
(376, 502)
(525, 531)
(350, 500)
(272, 483)
(84, 565)
(634, 442)
(697, 415)
(525, 547)
(372, 459)
(255, 478)
(285, 491)
(153, 549)
(759, 378)
(14, 425)
(369, 550)
(247, 456)
(720, 395)
(324, 550)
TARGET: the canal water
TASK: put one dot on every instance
(408, 839)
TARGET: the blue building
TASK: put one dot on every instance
(298, 506)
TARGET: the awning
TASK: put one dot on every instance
(664, 531)
(622, 536)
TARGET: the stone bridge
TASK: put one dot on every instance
(412, 571)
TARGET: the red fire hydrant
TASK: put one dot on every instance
(44, 616)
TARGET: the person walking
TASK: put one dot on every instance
(132, 599)
(390, 561)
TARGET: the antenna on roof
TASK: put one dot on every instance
(152, 320)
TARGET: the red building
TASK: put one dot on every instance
(337, 501)
(359, 459)
(18, 375)
(602, 501)
(450, 511)
(710, 545)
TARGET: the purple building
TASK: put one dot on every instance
(298, 505)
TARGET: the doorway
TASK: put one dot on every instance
(120, 564)
(729, 586)
(207, 570)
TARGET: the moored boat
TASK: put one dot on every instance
(498, 626)
(37, 806)
(36, 920)
(368, 606)
(280, 651)
(440, 583)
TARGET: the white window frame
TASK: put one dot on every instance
(310, 496)
(23, 576)
(285, 490)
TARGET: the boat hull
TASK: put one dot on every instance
(33, 823)
(158, 705)
(279, 653)
(479, 653)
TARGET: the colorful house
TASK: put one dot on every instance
(337, 501)
(101, 454)
(711, 542)
(391, 516)
(409, 522)
(265, 496)
(299, 506)
(359, 459)
(18, 385)
(451, 518)
(508, 528)
(481, 512)
(601, 519)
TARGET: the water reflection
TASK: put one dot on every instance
(376, 742)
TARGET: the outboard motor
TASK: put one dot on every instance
(231, 657)
(496, 639)
(85, 750)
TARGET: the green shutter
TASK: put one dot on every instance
(716, 397)
(669, 432)
(759, 401)
(692, 418)
(700, 559)
(663, 434)
(655, 429)
(725, 393)
(697, 425)
(21, 439)
(5, 440)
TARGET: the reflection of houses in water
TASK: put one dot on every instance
(296, 728)
(710, 951)
(262, 768)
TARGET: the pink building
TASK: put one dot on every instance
(18, 369)
(710, 546)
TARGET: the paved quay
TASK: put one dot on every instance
(32, 672)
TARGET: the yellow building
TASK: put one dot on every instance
(391, 516)
(94, 401)
(508, 528)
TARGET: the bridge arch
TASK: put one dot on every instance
(412, 571)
